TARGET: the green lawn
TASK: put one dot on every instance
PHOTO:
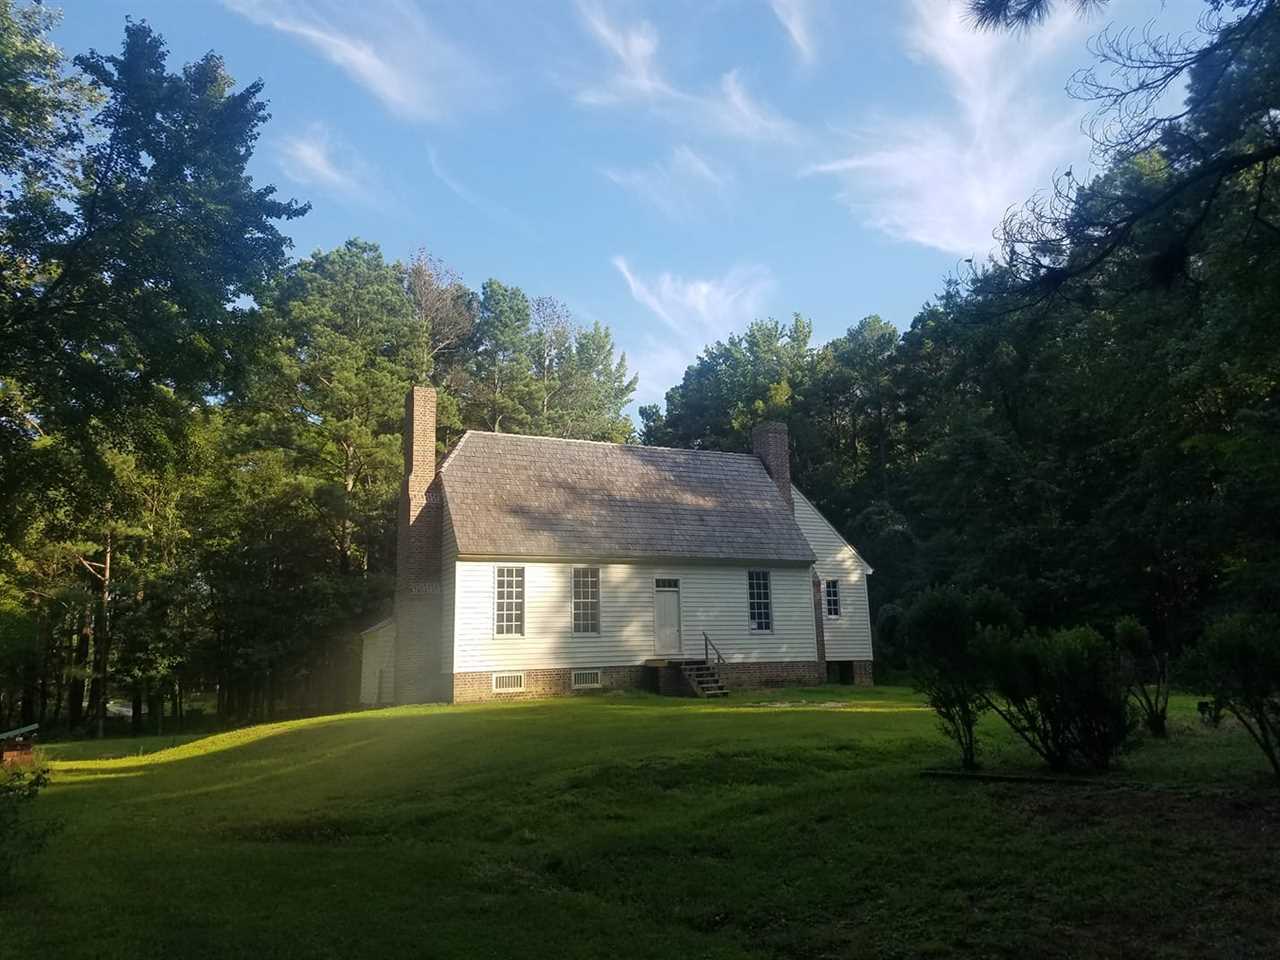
(785, 824)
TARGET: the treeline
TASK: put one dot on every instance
(1088, 423)
(200, 441)
(1066, 472)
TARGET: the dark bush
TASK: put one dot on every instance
(20, 840)
(1065, 693)
(890, 638)
(991, 608)
(939, 632)
(1238, 665)
(1210, 713)
(1150, 690)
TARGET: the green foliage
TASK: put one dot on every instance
(1021, 14)
(1065, 693)
(890, 636)
(945, 665)
(733, 385)
(39, 103)
(992, 609)
(1093, 449)
(143, 251)
(1238, 665)
(200, 443)
(20, 840)
(532, 370)
(1150, 675)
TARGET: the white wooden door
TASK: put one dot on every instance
(666, 617)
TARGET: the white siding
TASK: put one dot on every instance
(712, 598)
(848, 637)
(378, 657)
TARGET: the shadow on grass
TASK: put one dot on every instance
(439, 735)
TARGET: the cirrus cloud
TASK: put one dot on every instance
(637, 79)
(388, 47)
(946, 180)
(676, 185)
(693, 312)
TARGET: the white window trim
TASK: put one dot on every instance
(752, 630)
(524, 600)
(573, 675)
(826, 610)
(599, 600)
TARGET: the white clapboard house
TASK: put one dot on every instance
(532, 566)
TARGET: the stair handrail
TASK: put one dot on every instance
(707, 646)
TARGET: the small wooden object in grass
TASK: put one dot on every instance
(16, 746)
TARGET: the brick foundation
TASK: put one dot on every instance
(558, 681)
(857, 672)
(554, 682)
(787, 673)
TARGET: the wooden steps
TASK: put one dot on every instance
(704, 678)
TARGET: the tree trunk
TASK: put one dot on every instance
(135, 725)
(80, 657)
(102, 636)
(28, 708)
(60, 677)
(155, 707)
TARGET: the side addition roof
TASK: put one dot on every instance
(826, 533)
(542, 497)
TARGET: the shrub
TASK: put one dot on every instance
(889, 637)
(991, 608)
(1238, 665)
(1150, 690)
(19, 839)
(939, 638)
(1065, 693)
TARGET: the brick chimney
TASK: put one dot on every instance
(769, 442)
(418, 558)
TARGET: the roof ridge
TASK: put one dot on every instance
(601, 443)
(449, 456)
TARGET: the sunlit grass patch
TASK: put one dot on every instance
(787, 823)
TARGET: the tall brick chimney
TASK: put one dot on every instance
(418, 553)
(769, 442)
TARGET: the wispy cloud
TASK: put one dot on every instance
(315, 158)
(637, 79)
(946, 181)
(796, 17)
(635, 48)
(676, 185)
(387, 47)
(490, 208)
(739, 114)
(693, 313)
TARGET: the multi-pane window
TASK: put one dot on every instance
(508, 611)
(586, 599)
(832, 591)
(759, 605)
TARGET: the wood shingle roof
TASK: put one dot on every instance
(516, 496)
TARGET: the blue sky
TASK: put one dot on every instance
(671, 169)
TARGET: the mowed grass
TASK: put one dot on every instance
(780, 824)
